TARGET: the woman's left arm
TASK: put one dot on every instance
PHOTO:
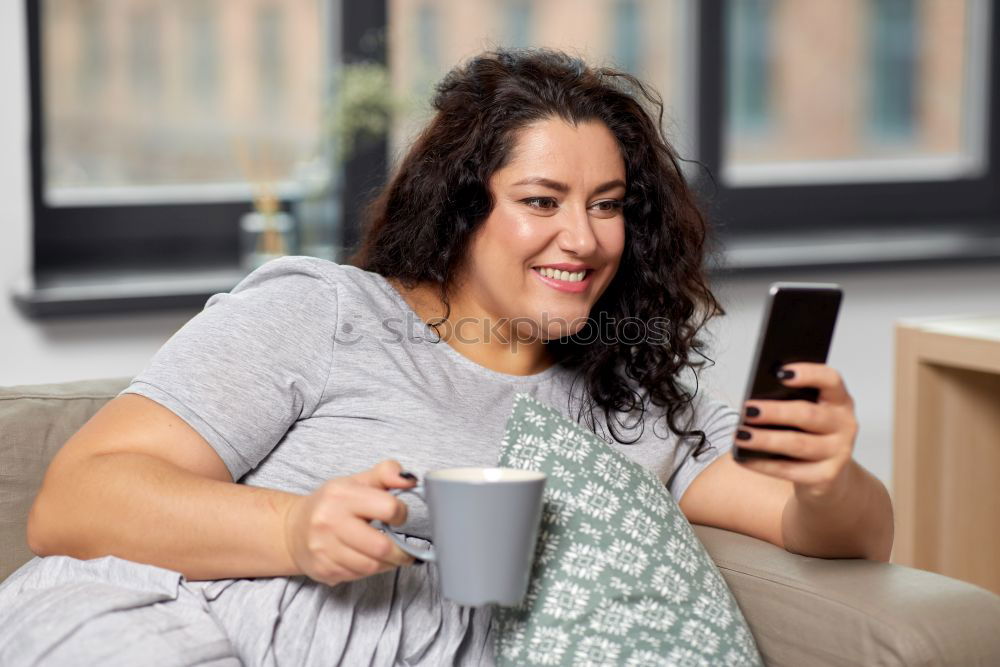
(838, 509)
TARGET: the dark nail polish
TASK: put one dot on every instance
(785, 374)
(408, 475)
(752, 411)
(742, 435)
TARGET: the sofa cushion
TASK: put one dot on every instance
(619, 576)
(35, 421)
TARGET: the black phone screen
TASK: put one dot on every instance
(798, 326)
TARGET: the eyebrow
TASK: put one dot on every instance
(563, 188)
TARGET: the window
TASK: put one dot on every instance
(423, 45)
(154, 122)
(171, 101)
(827, 91)
(864, 124)
(804, 124)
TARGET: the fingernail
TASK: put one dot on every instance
(408, 475)
(784, 374)
(742, 435)
(752, 411)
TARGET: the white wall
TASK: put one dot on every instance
(31, 352)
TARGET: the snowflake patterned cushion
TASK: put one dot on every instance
(619, 576)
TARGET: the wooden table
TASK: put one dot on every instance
(946, 450)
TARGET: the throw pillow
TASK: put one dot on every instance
(619, 576)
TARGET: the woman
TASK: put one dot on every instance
(541, 194)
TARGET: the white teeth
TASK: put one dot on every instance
(574, 277)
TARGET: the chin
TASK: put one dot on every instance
(561, 324)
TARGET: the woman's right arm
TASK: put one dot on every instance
(137, 482)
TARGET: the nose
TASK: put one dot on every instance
(577, 235)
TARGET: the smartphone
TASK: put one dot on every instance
(798, 324)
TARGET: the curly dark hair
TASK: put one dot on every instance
(419, 227)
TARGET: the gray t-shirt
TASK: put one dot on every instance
(310, 370)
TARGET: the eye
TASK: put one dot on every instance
(534, 201)
(609, 206)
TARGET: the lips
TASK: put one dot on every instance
(565, 266)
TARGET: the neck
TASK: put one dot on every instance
(475, 334)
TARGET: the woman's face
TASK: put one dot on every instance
(554, 239)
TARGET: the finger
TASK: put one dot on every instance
(798, 445)
(368, 504)
(370, 542)
(356, 563)
(807, 473)
(806, 415)
(385, 475)
(825, 378)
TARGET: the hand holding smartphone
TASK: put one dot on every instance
(798, 324)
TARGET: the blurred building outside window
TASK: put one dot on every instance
(894, 66)
(519, 24)
(749, 74)
(274, 74)
(628, 35)
(202, 52)
(145, 58)
(426, 53)
(854, 90)
(652, 39)
(178, 100)
(93, 55)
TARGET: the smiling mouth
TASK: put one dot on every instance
(563, 276)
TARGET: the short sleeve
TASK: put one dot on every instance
(252, 362)
(719, 422)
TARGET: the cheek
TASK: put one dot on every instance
(516, 236)
(612, 238)
(499, 253)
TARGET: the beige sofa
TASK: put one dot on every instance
(803, 611)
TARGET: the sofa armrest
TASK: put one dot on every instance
(816, 611)
(35, 422)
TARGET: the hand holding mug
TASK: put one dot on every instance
(328, 533)
(484, 526)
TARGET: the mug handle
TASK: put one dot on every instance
(422, 554)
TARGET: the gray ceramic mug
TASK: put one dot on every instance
(484, 524)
